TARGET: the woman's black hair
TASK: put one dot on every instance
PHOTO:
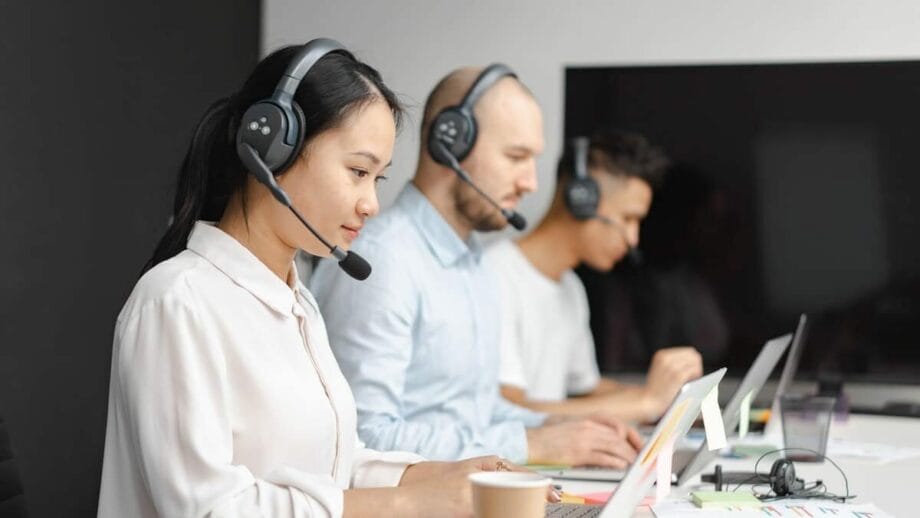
(211, 173)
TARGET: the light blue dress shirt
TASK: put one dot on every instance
(418, 340)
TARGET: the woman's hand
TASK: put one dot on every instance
(443, 488)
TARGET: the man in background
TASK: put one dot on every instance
(418, 340)
(602, 195)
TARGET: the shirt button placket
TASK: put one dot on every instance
(301, 316)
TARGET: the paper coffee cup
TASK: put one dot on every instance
(500, 494)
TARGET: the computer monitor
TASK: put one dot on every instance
(788, 194)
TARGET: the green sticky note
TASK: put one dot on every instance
(745, 419)
(704, 499)
(752, 450)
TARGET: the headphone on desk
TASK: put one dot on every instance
(782, 478)
(784, 484)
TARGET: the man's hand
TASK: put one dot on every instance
(670, 369)
(594, 441)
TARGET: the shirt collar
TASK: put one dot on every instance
(242, 267)
(441, 238)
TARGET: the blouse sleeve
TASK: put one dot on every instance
(168, 388)
(372, 468)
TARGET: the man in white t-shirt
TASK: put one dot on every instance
(604, 190)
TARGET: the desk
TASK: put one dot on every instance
(894, 487)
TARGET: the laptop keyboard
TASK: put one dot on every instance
(572, 510)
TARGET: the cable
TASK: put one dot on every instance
(818, 489)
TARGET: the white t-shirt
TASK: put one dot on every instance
(225, 397)
(546, 343)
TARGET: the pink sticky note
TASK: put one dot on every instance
(663, 469)
(600, 497)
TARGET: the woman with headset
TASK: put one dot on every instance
(225, 398)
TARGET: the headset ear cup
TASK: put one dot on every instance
(469, 133)
(262, 127)
(437, 151)
(300, 121)
(582, 197)
(782, 477)
(455, 130)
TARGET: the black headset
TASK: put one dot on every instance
(582, 194)
(270, 138)
(782, 478)
(453, 133)
(783, 482)
(455, 128)
(273, 127)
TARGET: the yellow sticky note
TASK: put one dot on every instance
(745, 418)
(663, 471)
(667, 433)
(724, 499)
(712, 420)
(569, 498)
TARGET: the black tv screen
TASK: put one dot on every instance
(795, 188)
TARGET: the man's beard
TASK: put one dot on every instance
(472, 207)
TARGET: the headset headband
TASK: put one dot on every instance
(311, 52)
(487, 78)
(581, 147)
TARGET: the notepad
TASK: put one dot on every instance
(706, 499)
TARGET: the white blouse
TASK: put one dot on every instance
(225, 399)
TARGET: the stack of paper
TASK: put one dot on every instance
(793, 508)
(717, 499)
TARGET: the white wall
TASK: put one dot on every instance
(414, 43)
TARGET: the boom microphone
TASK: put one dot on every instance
(634, 254)
(514, 218)
(353, 264)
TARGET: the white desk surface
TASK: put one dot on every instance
(894, 487)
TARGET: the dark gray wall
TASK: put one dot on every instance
(97, 103)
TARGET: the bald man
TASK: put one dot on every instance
(418, 340)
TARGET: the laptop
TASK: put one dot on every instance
(752, 382)
(774, 425)
(641, 474)
(687, 462)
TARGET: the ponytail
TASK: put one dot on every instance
(212, 172)
(202, 189)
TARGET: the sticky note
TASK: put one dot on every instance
(663, 470)
(598, 498)
(712, 420)
(745, 419)
(569, 498)
(667, 433)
